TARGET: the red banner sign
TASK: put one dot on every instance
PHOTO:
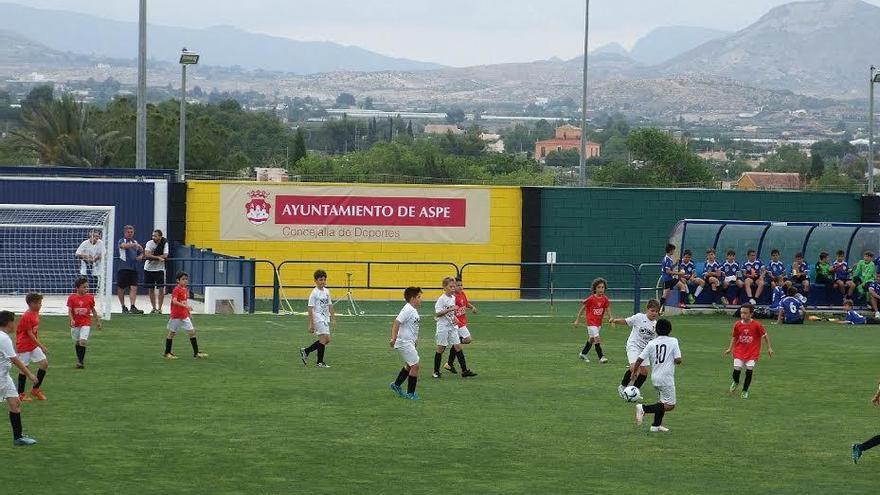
(362, 210)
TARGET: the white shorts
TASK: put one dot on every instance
(408, 353)
(7, 388)
(447, 337)
(738, 363)
(35, 356)
(80, 333)
(593, 331)
(463, 333)
(666, 394)
(322, 328)
(176, 324)
(632, 354)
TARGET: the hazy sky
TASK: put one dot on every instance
(452, 32)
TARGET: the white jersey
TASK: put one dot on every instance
(409, 326)
(447, 321)
(155, 265)
(93, 250)
(661, 353)
(7, 352)
(320, 303)
(642, 331)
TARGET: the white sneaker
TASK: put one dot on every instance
(620, 391)
(876, 314)
(603, 360)
(656, 429)
(752, 301)
(584, 358)
(640, 414)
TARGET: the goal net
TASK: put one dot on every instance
(45, 248)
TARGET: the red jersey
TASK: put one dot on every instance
(595, 307)
(81, 307)
(747, 340)
(461, 301)
(30, 320)
(180, 294)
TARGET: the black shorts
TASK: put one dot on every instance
(799, 279)
(793, 322)
(126, 278)
(154, 280)
(670, 284)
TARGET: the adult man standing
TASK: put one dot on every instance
(130, 252)
(91, 255)
(155, 254)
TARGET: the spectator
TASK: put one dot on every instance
(155, 254)
(130, 252)
(91, 255)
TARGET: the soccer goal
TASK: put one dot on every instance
(38, 253)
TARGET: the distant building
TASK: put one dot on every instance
(763, 181)
(270, 174)
(442, 129)
(568, 137)
(720, 156)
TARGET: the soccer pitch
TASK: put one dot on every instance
(253, 419)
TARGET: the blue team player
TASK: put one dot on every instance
(687, 271)
(791, 309)
(712, 274)
(854, 318)
(753, 276)
(775, 269)
(731, 282)
(777, 294)
(669, 276)
(800, 275)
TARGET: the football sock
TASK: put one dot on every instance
(411, 384)
(626, 378)
(15, 419)
(461, 361)
(452, 353)
(748, 380)
(641, 380)
(21, 382)
(41, 374)
(736, 376)
(662, 302)
(79, 352)
(312, 348)
(401, 377)
(195, 345)
(649, 408)
(683, 296)
(870, 444)
(168, 343)
(438, 358)
(586, 349)
(658, 416)
(698, 291)
(82, 353)
(321, 348)
(599, 351)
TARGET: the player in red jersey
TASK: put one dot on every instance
(29, 347)
(746, 346)
(464, 334)
(180, 318)
(594, 308)
(80, 309)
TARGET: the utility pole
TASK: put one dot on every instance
(582, 170)
(141, 137)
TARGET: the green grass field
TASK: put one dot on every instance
(253, 419)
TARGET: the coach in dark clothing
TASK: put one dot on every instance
(130, 252)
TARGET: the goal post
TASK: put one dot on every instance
(38, 253)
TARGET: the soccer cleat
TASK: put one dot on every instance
(124, 310)
(397, 390)
(682, 305)
(136, 311)
(23, 441)
(691, 299)
(79, 366)
(436, 374)
(170, 355)
(322, 365)
(662, 309)
(200, 355)
(603, 359)
(155, 311)
(584, 358)
(656, 429)
(856, 452)
(876, 314)
(640, 414)
(733, 387)
(744, 394)
(450, 368)
(304, 356)
(38, 394)
(467, 374)
(620, 391)
(724, 301)
(24, 397)
(412, 396)
(752, 301)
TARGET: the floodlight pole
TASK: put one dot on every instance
(871, 130)
(141, 133)
(181, 153)
(582, 169)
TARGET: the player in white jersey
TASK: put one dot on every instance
(642, 325)
(404, 338)
(447, 325)
(664, 354)
(321, 318)
(8, 391)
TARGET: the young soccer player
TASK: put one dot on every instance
(80, 310)
(30, 348)
(853, 317)
(864, 272)
(776, 268)
(321, 317)
(180, 318)
(873, 295)
(643, 331)
(669, 278)
(859, 448)
(753, 276)
(594, 309)
(687, 271)
(778, 293)
(800, 276)
(712, 274)
(732, 282)
(664, 354)
(8, 391)
(461, 321)
(447, 328)
(746, 346)
(840, 270)
(791, 309)
(404, 338)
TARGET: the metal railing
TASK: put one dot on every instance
(368, 267)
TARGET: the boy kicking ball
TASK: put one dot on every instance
(642, 325)
(447, 327)
(81, 309)
(180, 318)
(8, 390)
(404, 338)
(746, 346)
(663, 354)
(594, 309)
(30, 349)
(321, 316)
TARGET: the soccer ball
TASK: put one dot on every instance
(631, 393)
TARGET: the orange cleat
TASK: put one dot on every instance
(38, 394)
(24, 398)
